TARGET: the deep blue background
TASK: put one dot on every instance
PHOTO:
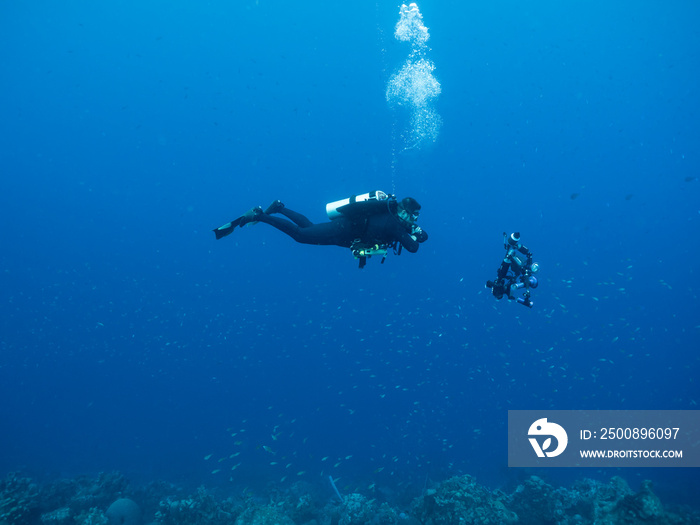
(131, 340)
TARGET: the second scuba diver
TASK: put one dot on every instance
(515, 272)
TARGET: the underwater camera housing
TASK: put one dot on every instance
(525, 301)
(526, 282)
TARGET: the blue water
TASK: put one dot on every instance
(131, 340)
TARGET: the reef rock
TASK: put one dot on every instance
(124, 512)
(263, 515)
(461, 500)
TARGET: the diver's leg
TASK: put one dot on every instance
(503, 269)
(326, 233)
(298, 218)
(275, 207)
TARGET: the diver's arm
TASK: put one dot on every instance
(409, 242)
(419, 234)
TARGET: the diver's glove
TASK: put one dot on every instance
(419, 234)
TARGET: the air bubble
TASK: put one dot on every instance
(414, 86)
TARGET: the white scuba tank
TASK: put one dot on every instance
(332, 207)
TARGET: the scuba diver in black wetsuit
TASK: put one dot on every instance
(368, 224)
(515, 272)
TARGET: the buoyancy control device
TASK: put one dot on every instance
(361, 206)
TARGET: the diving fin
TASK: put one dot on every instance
(226, 229)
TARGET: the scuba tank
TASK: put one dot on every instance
(367, 203)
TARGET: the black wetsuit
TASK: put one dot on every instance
(375, 224)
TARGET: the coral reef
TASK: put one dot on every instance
(356, 510)
(108, 500)
(300, 502)
(263, 515)
(60, 516)
(84, 493)
(462, 500)
(535, 501)
(19, 503)
(93, 516)
(590, 501)
(200, 507)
